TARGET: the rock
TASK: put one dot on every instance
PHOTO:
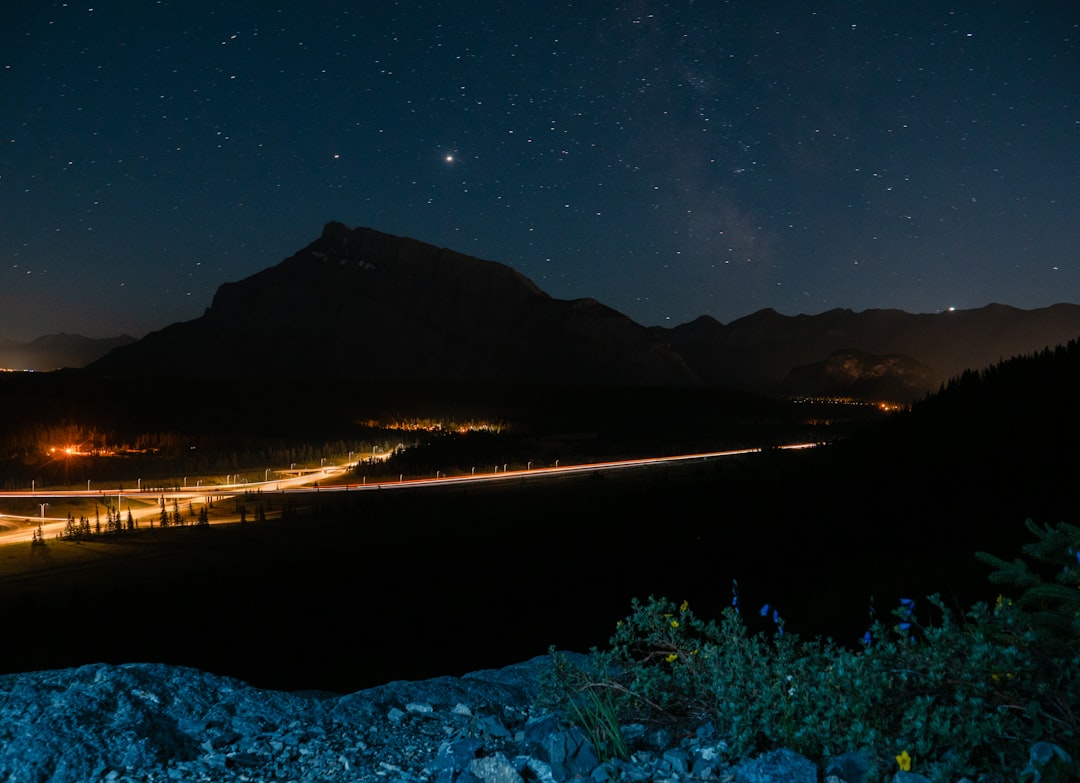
(1044, 757)
(778, 766)
(495, 769)
(848, 768)
(570, 754)
(910, 777)
(149, 722)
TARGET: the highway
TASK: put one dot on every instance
(15, 528)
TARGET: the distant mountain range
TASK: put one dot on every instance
(364, 305)
(56, 351)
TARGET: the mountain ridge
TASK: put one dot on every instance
(56, 351)
(366, 305)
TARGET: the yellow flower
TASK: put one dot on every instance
(684, 606)
(672, 658)
(618, 624)
(674, 623)
(904, 761)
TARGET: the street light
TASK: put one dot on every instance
(43, 505)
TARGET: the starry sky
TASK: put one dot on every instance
(670, 159)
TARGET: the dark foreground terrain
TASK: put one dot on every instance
(360, 589)
(382, 585)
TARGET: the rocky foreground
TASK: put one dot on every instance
(151, 722)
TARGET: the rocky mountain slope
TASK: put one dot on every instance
(364, 305)
(149, 722)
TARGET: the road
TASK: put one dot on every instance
(319, 480)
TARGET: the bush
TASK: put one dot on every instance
(943, 697)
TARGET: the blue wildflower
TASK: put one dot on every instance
(904, 626)
(776, 617)
(765, 610)
(867, 638)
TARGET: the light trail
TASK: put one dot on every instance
(21, 527)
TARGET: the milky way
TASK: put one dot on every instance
(670, 159)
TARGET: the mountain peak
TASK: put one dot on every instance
(363, 303)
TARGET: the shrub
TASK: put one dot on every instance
(946, 697)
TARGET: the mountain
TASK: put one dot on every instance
(361, 304)
(770, 352)
(54, 351)
(849, 373)
(380, 308)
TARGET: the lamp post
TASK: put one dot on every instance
(43, 505)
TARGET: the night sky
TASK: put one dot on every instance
(670, 159)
